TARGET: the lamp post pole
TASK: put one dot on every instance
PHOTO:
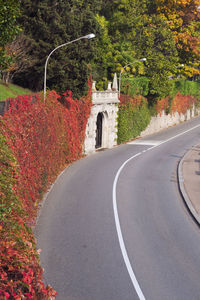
(120, 75)
(88, 36)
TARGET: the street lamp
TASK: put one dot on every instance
(88, 36)
(142, 59)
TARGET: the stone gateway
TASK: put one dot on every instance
(101, 129)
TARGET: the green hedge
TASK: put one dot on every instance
(132, 120)
(186, 88)
(135, 86)
(140, 86)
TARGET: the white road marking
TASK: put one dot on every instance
(145, 142)
(116, 215)
(119, 233)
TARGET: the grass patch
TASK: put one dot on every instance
(11, 91)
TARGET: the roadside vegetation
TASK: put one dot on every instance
(11, 91)
(166, 33)
(134, 113)
(38, 139)
(136, 110)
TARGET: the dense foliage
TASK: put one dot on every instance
(37, 140)
(136, 32)
(20, 272)
(9, 11)
(183, 20)
(134, 113)
(135, 86)
(48, 24)
(167, 33)
(51, 134)
(140, 86)
(181, 103)
(133, 117)
(186, 88)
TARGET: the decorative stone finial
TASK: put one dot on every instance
(109, 86)
(115, 84)
(93, 86)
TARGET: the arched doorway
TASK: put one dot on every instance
(99, 127)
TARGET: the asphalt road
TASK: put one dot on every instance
(114, 226)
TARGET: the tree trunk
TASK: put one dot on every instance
(6, 77)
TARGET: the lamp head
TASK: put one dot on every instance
(90, 36)
(143, 59)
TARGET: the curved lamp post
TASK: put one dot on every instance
(142, 59)
(88, 36)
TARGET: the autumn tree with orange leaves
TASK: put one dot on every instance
(183, 19)
(167, 33)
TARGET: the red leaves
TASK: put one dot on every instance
(182, 103)
(179, 104)
(7, 295)
(135, 101)
(43, 138)
(162, 104)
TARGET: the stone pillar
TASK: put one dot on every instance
(109, 86)
(93, 86)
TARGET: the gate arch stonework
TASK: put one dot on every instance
(104, 110)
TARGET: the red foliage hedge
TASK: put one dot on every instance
(162, 105)
(38, 140)
(182, 103)
(137, 100)
(178, 104)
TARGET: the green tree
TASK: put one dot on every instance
(135, 31)
(103, 65)
(117, 20)
(123, 17)
(9, 11)
(50, 23)
(156, 43)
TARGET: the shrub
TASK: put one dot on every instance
(162, 105)
(181, 103)
(186, 88)
(20, 272)
(135, 86)
(37, 140)
(133, 117)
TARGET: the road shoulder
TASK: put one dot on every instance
(189, 180)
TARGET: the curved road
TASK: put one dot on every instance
(114, 226)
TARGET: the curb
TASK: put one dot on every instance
(183, 191)
(45, 196)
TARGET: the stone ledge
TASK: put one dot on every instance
(107, 97)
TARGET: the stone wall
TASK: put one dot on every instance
(162, 121)
(105, 105)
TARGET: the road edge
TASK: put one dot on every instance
(183, 191)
